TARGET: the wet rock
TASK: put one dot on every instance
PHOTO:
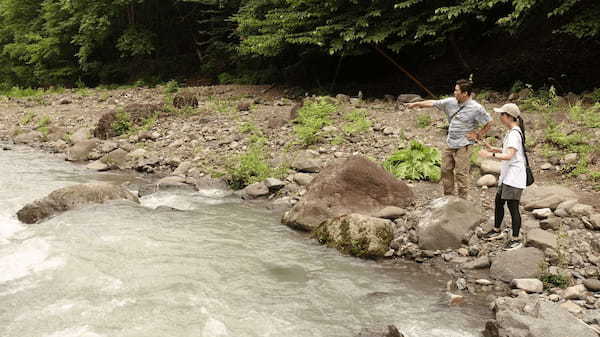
(446, 223)
(353, 185)
(489, 166)
(541, 239)
(255, 190)
(390, 212)
(357, 235)
(389, 331)
(517, 264)
(481, 262)
(592, 284)
(542, 213)
(97, 165)
(30, 137)
(72, 197)
(81, 151)
(117, 159)
(530, 285)
(487, 180)
(534, 317)
(454, 300)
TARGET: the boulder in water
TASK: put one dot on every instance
(389, 331)
(81, 151)
(353, 185)
(72, 197)
(356, 234)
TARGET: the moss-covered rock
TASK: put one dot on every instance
(357, 235)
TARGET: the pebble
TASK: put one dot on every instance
(592, 284)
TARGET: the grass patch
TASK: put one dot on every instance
(357, 122)
(417, 162)
(18, 92)
(27, 118)
(252, 166)
(311, 119)
(423, 121)
(589, 117)
(171, 87)
(122, 124)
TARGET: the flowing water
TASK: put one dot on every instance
(217, 268)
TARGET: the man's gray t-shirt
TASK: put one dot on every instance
(470, 115)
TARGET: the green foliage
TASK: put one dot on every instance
(171, 87)
(122, 124)
(357, 122)
(589, 117)
(552, 281)
(312, 117)
(28, 118)
(417, 162)
(423, 121)
(556, 136)
(29, 92)
(251, 166)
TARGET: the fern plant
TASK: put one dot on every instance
(311, 119)
(417, 162)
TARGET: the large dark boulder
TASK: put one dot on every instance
(353, 185)
(72, 197)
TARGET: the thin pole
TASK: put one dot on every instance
(404, 71)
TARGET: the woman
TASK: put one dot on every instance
(513, 175)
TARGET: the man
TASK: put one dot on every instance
(464, 116)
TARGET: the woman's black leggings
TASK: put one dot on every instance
(513, 207)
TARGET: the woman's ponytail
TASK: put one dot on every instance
(522, 126)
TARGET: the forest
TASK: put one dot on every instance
(325, 44)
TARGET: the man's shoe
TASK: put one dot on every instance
(513, 244)
(493, 235)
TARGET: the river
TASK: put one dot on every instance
(216, 268)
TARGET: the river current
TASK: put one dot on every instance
(214, 267)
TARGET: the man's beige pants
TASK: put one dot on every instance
(455, 166)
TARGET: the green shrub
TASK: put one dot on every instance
(122, 124)
(28, 118)
(589, 117)
(357, 122)
(423, 121)
(417, 162)
(552, 281)
(252, 166)
(555, 136)
(311, 119)
(171, 87)
(42, 125)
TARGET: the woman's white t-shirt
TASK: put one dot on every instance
(513, 171)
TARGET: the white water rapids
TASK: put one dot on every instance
(218, 268)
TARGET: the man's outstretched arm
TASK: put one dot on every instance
(422, 104)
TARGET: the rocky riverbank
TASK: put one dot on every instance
(190, 142)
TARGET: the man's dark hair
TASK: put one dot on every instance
(465, 86)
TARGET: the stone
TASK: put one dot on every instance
(541, 239)
(388, 131)
(484, 282)
(530, 285)
(255, 190)
(542, 213)
(592, 284)
(116, 159)
(304, 163)
(244, 106)
(592, 316)
(72, 197)
(183, 169)
(97, 165)
(30, 137)
(575, 292)
(391, 213)
(579, 210)
(572, 307)
(481, 262)
(81, 151)
(303, 179)
(454, 300)
(530, 224)
(517, 264)
(352, 185)
(274, 184)
(534, 317)
(546, 166)
(570, 158)
(537, 192)
(489, 166)
(356, 234)
(567, 205)
(552, 223)
(488, 180)
(551, 201)
(446, 222)
(80, 135)
(595, 221)
(107, 146)
(408, 98)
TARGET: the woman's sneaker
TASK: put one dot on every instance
(493, 235)
(513, 244)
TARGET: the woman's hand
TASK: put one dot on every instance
(485, 154)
